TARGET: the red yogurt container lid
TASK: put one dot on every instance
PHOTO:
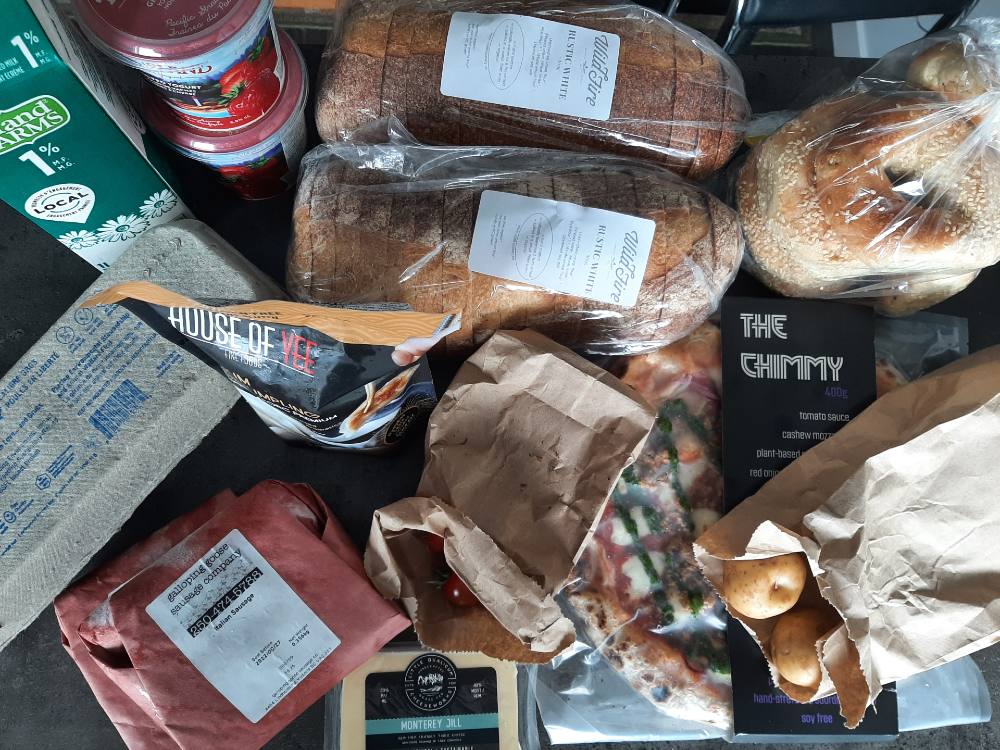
(135, 29)
(187, 138)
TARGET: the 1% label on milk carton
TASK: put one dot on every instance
(50, 152)
(26, 43)
(29, 54)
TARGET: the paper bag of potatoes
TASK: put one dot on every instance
(872, 557)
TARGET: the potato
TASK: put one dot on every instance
(793, 644)
(764, 588)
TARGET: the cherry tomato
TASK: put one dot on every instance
(434, 543)
(456, 592)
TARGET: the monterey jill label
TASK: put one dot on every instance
(75, 158)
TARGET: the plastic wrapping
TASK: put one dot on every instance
(581, 699)
(398, 221)
(886, 191)
(909, 348)
(637, 593)
(677, 99)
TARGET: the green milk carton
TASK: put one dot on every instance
(75, 158)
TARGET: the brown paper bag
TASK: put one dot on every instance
(522, 452)
(898, 516)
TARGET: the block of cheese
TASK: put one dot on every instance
(427, 700)
(99, 411)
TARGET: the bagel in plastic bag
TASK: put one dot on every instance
(886, 191)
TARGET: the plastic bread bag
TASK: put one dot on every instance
(408, 696)
(604, 254)
(909, 348)
(612, 78)
(636, 591)
(339, 378)
(885, 191)
(582, 699)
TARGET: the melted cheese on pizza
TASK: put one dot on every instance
(640, 585)
(621, 536)
(703, 518)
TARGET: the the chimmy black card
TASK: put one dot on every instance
(794, 372)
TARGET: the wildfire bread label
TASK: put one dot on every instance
(430, 701)
(350, 379)
(519, 61)
(587, 252)
(242, 626)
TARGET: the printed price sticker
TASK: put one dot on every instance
(242, 626)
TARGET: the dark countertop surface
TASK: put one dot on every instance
(46, 705)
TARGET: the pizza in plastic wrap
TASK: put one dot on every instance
(637, 589)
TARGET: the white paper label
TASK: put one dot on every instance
(242, 626)
(520, 61)
(587, 252)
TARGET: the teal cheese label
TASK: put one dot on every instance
(433, 705)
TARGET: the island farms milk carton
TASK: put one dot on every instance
(75, 158)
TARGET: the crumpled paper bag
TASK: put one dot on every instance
(899, 517)
(522, 452)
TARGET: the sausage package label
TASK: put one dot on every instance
(587, 252)
(519, 61)
(242, 626)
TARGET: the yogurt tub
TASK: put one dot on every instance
(260, 161)
(215, 63)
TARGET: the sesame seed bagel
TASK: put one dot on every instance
(947, 68)
(888, 197)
